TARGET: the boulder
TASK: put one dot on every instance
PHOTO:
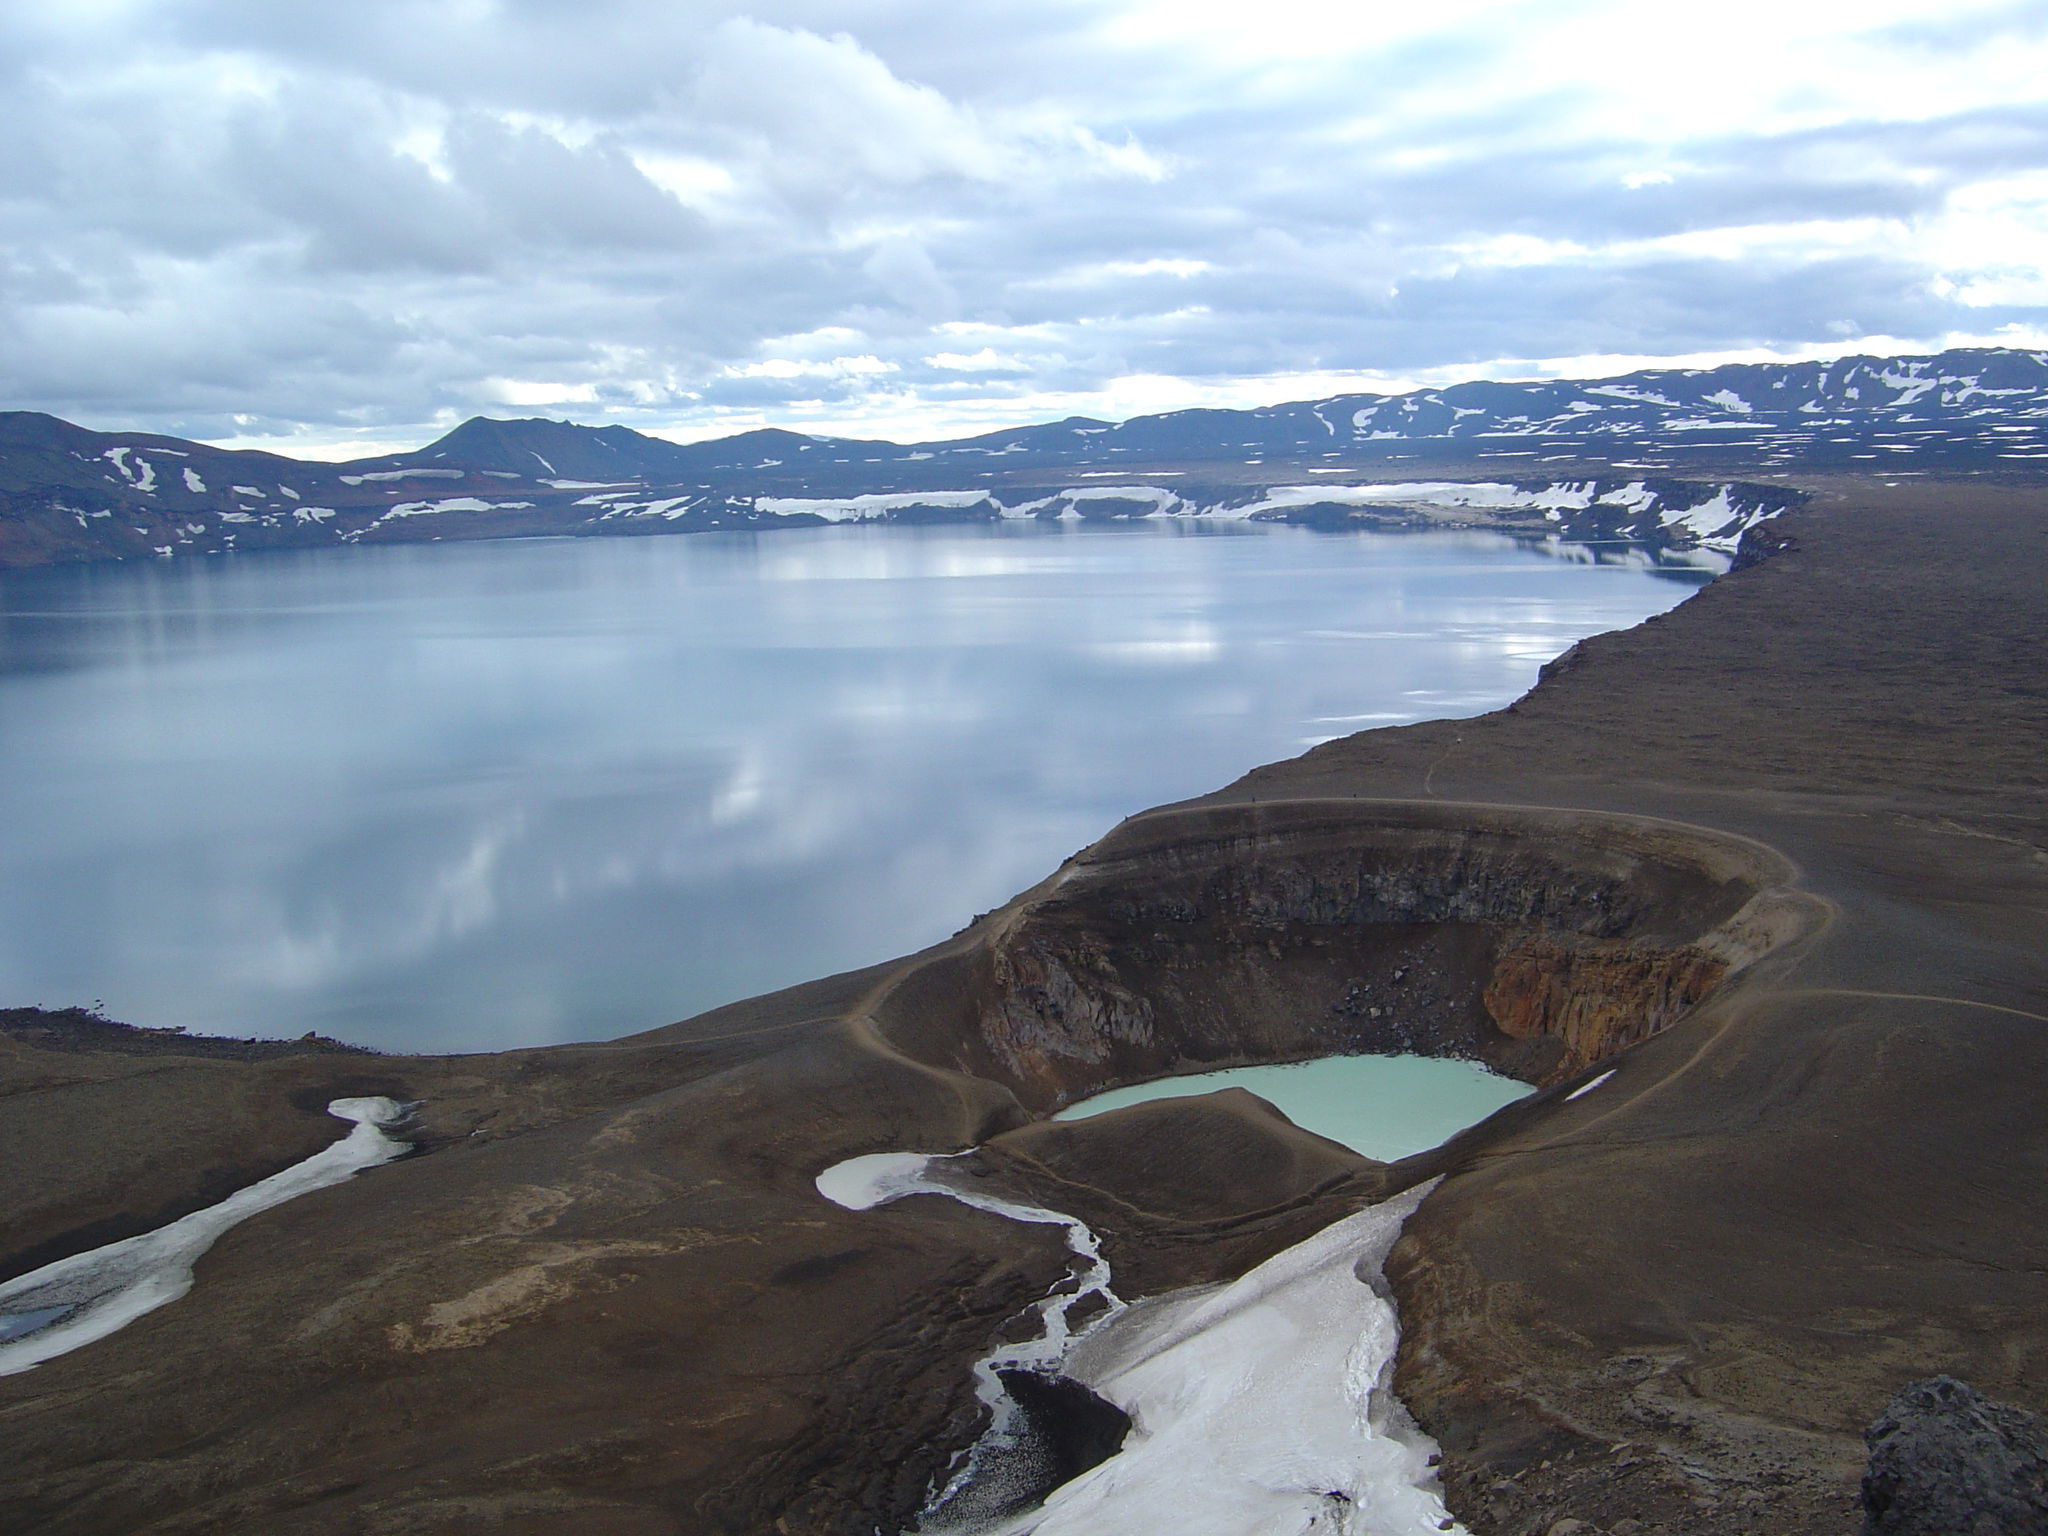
(1947, 1461)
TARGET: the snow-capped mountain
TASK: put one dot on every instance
(1656, 455)
(1978, 405)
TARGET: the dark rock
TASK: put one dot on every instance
(1061, 1429)
(1078, 1429)
(1947, 1461)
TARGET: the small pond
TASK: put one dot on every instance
(1386, 1107)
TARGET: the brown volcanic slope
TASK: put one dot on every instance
(1807, 806)
(1829, 1181)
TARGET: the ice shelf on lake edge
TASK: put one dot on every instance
(1263, 1407)
(90, 1295)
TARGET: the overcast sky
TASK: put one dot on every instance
(328, 227)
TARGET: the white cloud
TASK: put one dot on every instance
(1990, 241)
(819, 108)
(236, 219)
(987, 360)
(540, 392)
(794, 368)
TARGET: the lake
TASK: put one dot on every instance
(471, 796)
(1387, 1107)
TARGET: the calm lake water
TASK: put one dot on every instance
(1384, 1106)
(470, 796)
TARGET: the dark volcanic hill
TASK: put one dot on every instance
(1983, 405)
(67, 493)
(535, 449)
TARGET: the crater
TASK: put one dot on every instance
(1191, 939)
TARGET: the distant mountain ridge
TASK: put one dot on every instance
(70, 493)
(1784, 411)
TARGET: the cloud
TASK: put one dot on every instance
(822, 112)
(230, 218)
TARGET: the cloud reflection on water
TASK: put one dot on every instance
(470, 796)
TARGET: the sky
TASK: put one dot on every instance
(336, 229)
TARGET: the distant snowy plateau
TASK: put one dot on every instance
(1671, 458)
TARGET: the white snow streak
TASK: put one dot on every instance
(854, 508)
(1265, 1406)
(83, 1298)
(1705, 520)
(450, 504)
(1259, 1408)
(141, 474)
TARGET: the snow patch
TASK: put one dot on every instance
(1635, 496)
(1163, 502)
(876, 504)
(141, 474)
(1265, 1405)
(862, 1183)
(1632, 394)
(1490, 495)
(1706, 519)
(84, 1298)
(406, 474)
(1910, 386)
(449, 504)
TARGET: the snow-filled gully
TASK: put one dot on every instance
(1263, 1407)
(56, 1309)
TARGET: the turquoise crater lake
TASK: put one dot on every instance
(470, 796)
(1386, 1107)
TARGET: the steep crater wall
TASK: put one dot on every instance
(1188, 940)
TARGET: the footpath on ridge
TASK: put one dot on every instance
(1828, 1182)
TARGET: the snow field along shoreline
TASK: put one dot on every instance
(1716, 522)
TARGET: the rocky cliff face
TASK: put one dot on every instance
(1587, 1000)
(1536, 942)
